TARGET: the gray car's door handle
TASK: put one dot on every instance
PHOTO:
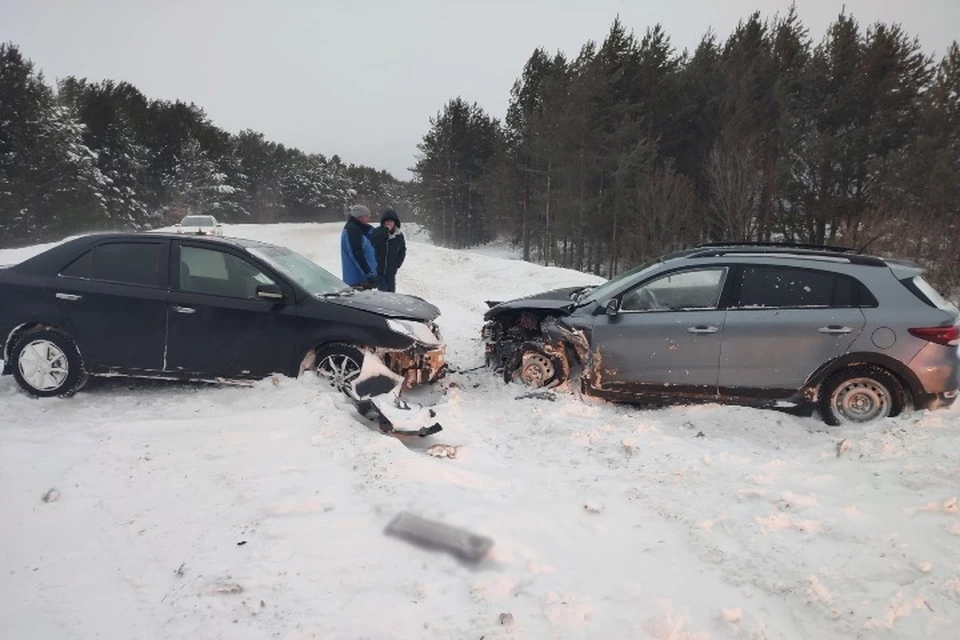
(702, 329)
(835, 329)
(185, 310)
(72, 297)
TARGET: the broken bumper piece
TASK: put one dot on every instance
(376, 395)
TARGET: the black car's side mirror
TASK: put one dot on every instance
(269, 292)
(613, 307)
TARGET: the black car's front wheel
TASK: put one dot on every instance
(339, 365)
(47, 363)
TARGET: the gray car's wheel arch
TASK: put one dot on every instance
(907, 378)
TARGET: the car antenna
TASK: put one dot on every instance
(869, 242)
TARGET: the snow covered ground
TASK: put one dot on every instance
(232, 512)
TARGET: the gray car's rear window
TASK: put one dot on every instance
(925, 292)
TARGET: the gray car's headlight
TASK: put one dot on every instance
(414, 330)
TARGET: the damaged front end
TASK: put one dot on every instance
(538, 350)
(419, 364)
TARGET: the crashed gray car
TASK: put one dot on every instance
(856, 336)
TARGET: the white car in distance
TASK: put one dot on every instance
(200, 225)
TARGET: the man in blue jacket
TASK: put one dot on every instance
(356, 250)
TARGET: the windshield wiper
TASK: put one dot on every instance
(337, 293)
(579, 294)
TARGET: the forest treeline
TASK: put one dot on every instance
(631, 149)
(84, 156)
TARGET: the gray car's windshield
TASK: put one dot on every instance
(615, 284)
(312, 277)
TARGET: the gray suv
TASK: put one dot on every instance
(856, 336)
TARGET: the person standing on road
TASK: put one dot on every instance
(391, 250)
(357, 256)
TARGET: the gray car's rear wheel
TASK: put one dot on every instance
(339, 364)
(861, 394)
(47, 363)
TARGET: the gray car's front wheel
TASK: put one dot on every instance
(860, 394)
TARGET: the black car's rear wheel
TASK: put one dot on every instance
(339, 365)
(47, 363)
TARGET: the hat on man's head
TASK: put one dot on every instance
(358, 211)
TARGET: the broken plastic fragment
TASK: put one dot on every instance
(431, 534)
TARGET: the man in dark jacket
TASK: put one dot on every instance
(356, 250)
(391, 250)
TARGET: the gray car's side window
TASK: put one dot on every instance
(695, 289)
(764, 287)
(218, 273)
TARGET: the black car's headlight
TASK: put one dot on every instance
(415, 331)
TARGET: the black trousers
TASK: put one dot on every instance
(387, 282)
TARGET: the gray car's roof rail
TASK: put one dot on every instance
(785, 245)
(786, 250)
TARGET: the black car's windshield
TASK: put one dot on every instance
(197, 221)
(608, 287)
(312, 277)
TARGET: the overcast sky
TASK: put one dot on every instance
(362, 78)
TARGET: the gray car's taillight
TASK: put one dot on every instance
(947, 336)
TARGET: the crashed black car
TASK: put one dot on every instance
(199, 308)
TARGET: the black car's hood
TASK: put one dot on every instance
(553, 300)
(388, 305)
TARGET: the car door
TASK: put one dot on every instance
(217, 325)
(665, 337)
(114, 297)
(782, 324)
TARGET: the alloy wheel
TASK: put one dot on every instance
(43, 365)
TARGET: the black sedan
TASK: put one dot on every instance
(199, 308)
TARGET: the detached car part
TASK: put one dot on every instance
(431, 534)
(376, 395)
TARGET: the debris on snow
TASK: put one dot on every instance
(506, 619)
(228, 588)
(842, 446)
(733, 616)
(52, 495)
(442, 451)
(440, 536)
(593, 507)
(538, 395)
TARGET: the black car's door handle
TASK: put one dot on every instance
(702, 329)
(187, 310)
(835, 329)
(72, 297)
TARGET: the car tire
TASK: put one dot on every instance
(860, 394)
(47, 363)
(533, 367)
(339, 364)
